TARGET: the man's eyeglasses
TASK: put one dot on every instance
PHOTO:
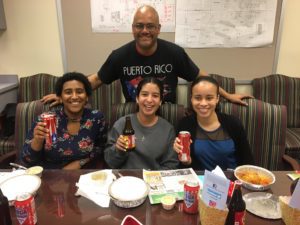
(149, 26)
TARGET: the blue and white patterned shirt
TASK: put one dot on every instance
(88, 142)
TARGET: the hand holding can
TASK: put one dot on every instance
(185, 141)
(50, 120)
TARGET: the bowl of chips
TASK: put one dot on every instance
(254, 177)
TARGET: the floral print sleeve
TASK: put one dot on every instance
(29, 156)
(88, 142)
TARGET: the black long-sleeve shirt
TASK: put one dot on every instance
(232, 126)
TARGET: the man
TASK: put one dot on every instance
(148, 56)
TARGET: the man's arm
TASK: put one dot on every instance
(234, 98)
(55, 100)
(94, 80)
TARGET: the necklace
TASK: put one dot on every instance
(74, 119)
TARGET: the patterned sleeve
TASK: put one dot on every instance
(102, 134)
(113, 157)
(28, 155)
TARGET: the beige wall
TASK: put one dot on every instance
(289, 54)
(31, 42)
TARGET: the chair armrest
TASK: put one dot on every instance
(7, 158)
(2, 118)
(293, 162)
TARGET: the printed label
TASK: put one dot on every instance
(239, 218)
(21, 214)
(189, 199)
(130, 139)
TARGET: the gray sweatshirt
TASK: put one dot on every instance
(154, 146)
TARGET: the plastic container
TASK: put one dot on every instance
(168, 202)
(35, 170)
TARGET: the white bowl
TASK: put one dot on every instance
(254, 177)
(128, 191)
(17, 185)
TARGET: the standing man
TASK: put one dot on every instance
(148, 56)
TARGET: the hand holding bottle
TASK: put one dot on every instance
(127, 140)
(122, 143)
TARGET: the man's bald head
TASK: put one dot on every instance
(146, 10)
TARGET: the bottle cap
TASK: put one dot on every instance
(238, 182)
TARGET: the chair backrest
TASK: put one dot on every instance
(265, 125)
(26, 113)
(34, 87)
(171, 112)
(280, 90)
(227, 83)
(104, 97)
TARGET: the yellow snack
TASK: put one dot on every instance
(99, 176)
(168, 202)
(35, 170)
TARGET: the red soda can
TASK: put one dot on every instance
(50, 120)
(25, 209)
(190, 201)
(185, 140)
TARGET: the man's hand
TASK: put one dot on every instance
(238, 98)
(51, 98)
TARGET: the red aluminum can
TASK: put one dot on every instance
(25, 209)
(185, 140)
(190, 201)
(50, 120)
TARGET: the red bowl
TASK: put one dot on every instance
(130, 220)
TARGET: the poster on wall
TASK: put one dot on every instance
(117, 15)
(225, 23)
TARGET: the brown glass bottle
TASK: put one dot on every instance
(128, 134)
(5, 218)
(236, 207)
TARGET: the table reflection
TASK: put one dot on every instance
(56, 203)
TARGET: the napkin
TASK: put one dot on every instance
(215, 190)
(94, 190)
(218, 171)
(294, 202)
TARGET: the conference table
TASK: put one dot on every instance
(56, 203)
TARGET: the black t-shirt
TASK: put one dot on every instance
(169, 62)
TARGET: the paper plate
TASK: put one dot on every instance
(263, 204)
(17, 185)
